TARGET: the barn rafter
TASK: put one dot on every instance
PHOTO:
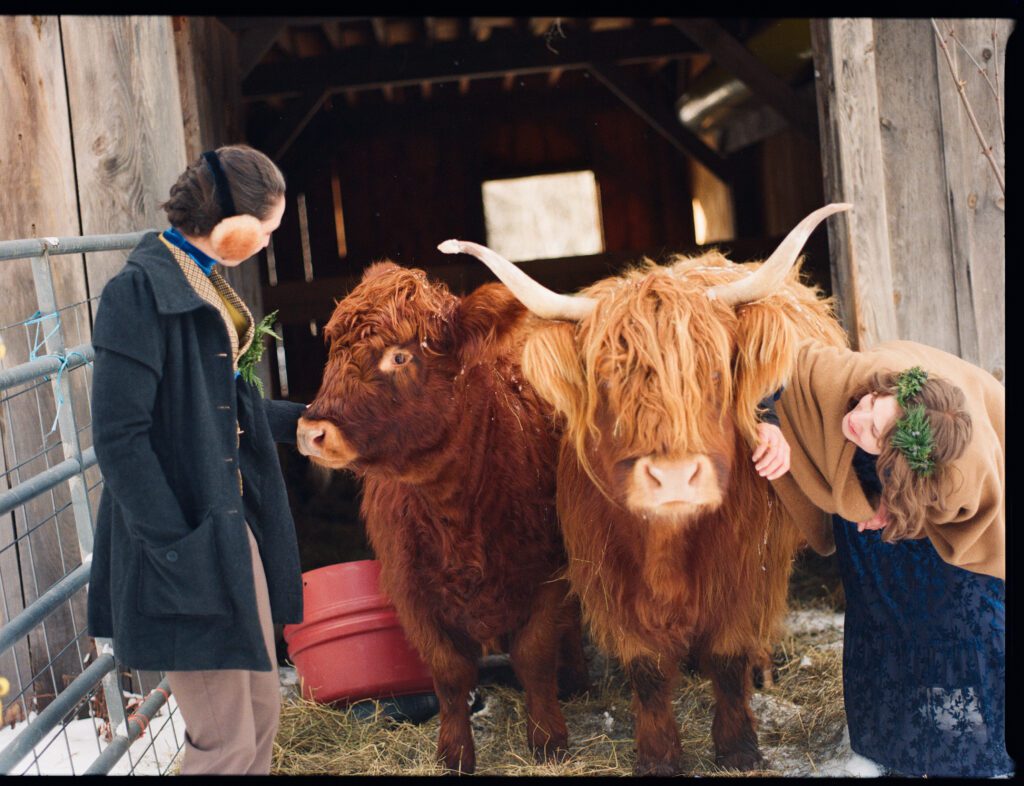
(294, 65)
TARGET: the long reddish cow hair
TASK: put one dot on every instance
(457, 453)
(659, 368)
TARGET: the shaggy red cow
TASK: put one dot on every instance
(677, 548)
(423, 397)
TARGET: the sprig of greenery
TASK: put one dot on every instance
(909, 384)
(914, 439)
(250, 360)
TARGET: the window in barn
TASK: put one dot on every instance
(339, 216)
(544, 216)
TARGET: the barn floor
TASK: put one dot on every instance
(801, 720)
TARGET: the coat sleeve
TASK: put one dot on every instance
(283, 417)
(126, 374)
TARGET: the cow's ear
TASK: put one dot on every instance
(551, 363)
(765, 346)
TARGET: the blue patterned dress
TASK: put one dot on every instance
(924, 673)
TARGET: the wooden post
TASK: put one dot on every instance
(853, 171)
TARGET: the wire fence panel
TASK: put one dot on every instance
(70, 707)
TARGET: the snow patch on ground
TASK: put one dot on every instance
(803, 622)
(71, 749)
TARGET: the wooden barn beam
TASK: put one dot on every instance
(854, 171)
(295, 119)
(300, 301)
(639, 97)
(733, 56)
(242, 23)
(380, 30)
(253, 43)
(372, 68)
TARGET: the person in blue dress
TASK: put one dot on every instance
(905, 446)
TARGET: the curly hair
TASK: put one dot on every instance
(905, 492)
(256, 185)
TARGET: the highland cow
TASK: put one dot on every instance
(677, 548)
(422, 396)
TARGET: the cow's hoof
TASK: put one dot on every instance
(456, 764)
(458, 769)
(742, 760)
(550, 755)
(656, 769)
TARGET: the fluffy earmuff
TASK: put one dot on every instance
(237, 238)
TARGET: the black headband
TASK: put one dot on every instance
(221, 187)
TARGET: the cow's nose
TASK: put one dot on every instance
(659, 476)
(310, 438)
(658, 481)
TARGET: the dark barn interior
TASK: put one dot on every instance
(387, 130)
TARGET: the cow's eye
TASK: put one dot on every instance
(393, 358)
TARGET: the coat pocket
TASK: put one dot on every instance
(184, 578)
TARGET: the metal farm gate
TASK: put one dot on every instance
(62, 687)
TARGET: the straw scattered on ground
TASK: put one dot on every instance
(801, 718)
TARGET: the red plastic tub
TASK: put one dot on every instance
(350, 645)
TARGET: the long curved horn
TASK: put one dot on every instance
(772, 273)
(535, 296)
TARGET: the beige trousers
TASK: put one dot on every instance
(231, 715)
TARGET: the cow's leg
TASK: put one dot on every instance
(733, 727)
(657, 734)
(534, 654)
(762, 669)
(573, 677)
(455, 675)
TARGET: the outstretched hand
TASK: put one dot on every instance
(771, 456)
(879, 520)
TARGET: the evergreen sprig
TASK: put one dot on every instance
(914, 439)
(250, 360)
(909, 384)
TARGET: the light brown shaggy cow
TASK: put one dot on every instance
(677, 548)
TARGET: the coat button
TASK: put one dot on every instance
(172, 556)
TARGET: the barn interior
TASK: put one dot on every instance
(575, 146)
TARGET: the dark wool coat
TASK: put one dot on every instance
(171, 578)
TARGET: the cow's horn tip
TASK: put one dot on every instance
(450, 247)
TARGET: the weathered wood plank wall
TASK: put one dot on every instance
(922, 255)
(94, 131)
(37, 176)
(126, 123)
(854, 172)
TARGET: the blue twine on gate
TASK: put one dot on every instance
(37, 319)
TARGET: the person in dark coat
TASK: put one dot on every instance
(195, 552)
